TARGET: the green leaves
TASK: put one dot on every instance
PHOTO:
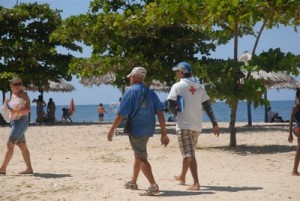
(274, 60)
(26, 49)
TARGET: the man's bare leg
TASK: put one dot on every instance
(147, 170)
(136, 170)
(184, 169)
(193, 168)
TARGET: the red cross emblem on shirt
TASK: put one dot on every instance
(192, 90)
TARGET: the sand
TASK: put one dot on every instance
(76, 162)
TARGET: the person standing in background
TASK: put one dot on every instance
(51, 110)
(101, 112)
(19, 108)
(189, 119)
(40, 104)
(295, 129)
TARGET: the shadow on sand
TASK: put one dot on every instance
(51, 175)
(230, 188)
(205, 190)
(245, 150)
(266, 127)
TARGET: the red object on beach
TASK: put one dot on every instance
(72, 106)
(296, 130)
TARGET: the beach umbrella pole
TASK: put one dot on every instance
(249, 113)
(266, 109)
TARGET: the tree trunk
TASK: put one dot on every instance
(266, 108)
(249, 113)
(232, 129)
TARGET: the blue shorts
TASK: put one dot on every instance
(18, 129)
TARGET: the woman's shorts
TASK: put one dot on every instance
(296, 131)
(19, 127)
(187, 140)
(139, 146)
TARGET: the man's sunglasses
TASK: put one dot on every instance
(17, 84)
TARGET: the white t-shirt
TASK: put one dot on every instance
(194, 95)
(270, 115)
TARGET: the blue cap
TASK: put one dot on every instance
(183, 67)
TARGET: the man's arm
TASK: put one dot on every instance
(210, 114)
(116, 122)
(161, 119)
(172, 106)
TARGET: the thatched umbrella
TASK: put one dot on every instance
(272, 80)
(98, 80)
(61, 86)
(110, 78)
(160, 86)
(276, 80)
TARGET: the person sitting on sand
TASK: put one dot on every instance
(273, 116)
(295, 117)
(66, 114)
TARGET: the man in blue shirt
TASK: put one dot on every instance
(143, 125)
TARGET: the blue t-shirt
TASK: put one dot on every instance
(143, 123)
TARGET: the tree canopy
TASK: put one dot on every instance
(159, 34)
(125, 35)
(155, 34)
(25, 46)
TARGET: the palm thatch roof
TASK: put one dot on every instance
(61, 86)
(110, 78)
(272, 80)
(98, 80)
(276, 80)
(160, 86)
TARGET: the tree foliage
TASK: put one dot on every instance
(237, 19)
(124, 35)
(25, 46)
(159, 33)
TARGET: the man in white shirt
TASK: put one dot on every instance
(192, 96)
(271, 114)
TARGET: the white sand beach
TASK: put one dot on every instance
(76, 163)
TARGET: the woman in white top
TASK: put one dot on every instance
(19, 107)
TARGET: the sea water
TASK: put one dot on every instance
(88, 113)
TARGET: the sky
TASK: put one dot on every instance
(284, 38)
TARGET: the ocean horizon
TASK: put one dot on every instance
(88, 113)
